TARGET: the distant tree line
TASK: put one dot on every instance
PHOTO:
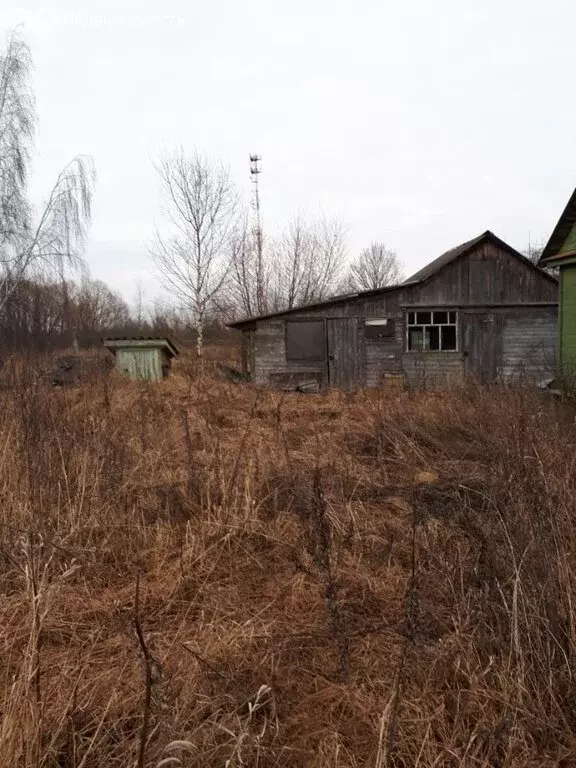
(207, 253)
(40, 315)
(215, 266)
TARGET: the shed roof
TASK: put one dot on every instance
(343, 298)
(419, 277)
(561, 231)
(142, 342)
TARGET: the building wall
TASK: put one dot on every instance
(270, 353)
(569, 245)
(384, 356)
(165, 362)
(432, 369)
(248, 350)
(139, 363)
(568, 317)
(488, 275)
(529, 343)
(493, 338)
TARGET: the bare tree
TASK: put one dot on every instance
(533, 251)
(17, 123)
(55, 238)
(249, 283)
(139, 304)
(40, 313)
(375, 267)
(192, 255)
(307, 261)
(98, 307)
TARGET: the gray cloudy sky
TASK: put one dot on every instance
(421, 123)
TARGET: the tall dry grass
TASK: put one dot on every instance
(196, 573)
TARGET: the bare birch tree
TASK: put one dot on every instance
(192, 254)
(17, 124)
(54, 238)
(376, 267)
(308, 261)
(247, 287)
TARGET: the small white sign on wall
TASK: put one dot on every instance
(376, 321)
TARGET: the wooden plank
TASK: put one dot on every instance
(432, 369)
(529, 344)
(482, 344)
(384, 356)
(345, 353)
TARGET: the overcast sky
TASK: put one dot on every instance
(421, 123)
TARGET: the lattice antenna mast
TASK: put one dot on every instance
(255, 171)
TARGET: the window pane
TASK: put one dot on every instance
(415, 338)
(452, 317)
(441, 318)
(305, 340)
(433, 337)
(423, 318)
(449, 337)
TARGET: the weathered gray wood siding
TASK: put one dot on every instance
(481, 333)
(385, 355)
(345, 347)
(503, 342)
(432, 369)
(270, 352)
(487, 275)
(529, 343)
(487, 286)
(247, 350)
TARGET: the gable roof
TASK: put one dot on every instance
(561, 231)
(141, 342)
(460, 250)
(419, 277)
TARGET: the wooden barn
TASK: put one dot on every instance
(481, 308)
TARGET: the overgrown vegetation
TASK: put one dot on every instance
(198, 573)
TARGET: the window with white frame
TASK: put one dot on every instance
(432, 331)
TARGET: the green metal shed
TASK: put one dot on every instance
(142, 358)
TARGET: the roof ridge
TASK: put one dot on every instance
(452, 254)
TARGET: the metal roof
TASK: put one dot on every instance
(115, 342)
(316, 305)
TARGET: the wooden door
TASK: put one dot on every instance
(345, 352)
(483, 344)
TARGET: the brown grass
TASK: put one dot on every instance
(370, 580)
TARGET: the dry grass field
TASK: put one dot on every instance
(197, 573)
